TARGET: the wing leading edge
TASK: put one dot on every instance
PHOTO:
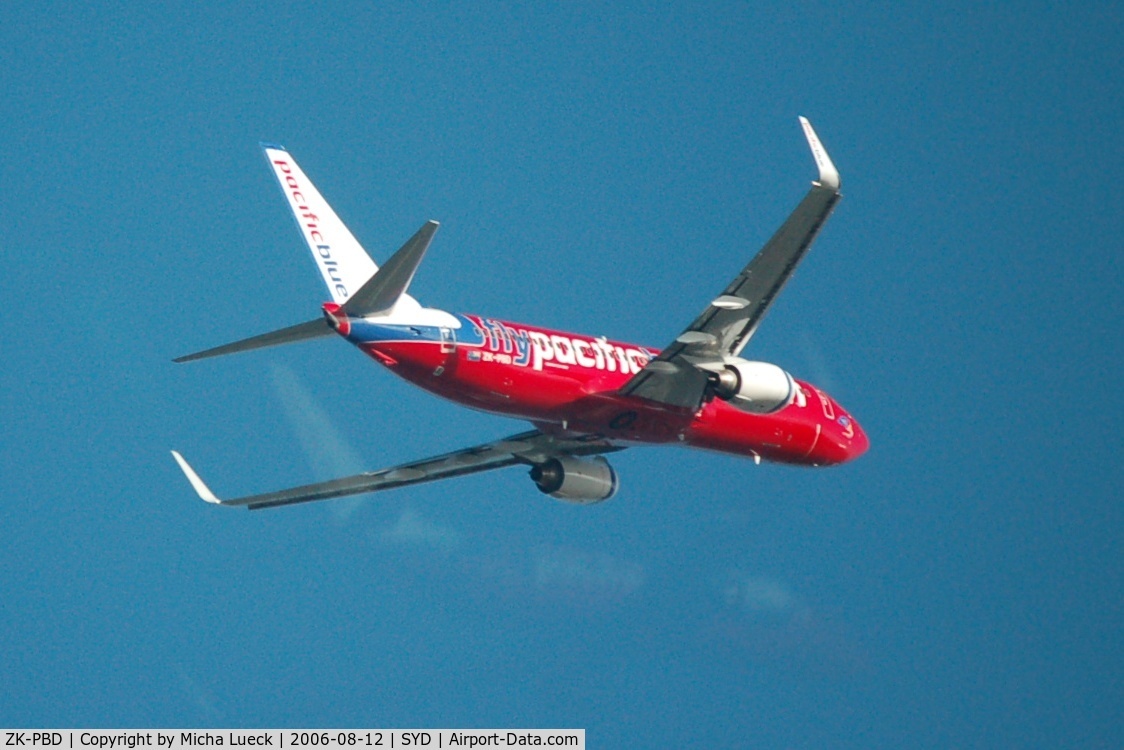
(678, 377)
(528, 448)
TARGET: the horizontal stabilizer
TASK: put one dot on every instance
(392, 280)
(310, 330)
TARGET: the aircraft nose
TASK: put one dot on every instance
(843, 440)
(860, 443)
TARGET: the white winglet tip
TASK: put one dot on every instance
(200, 487)
(829, 175)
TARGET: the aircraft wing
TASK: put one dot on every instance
(679, 376)
(527, 448)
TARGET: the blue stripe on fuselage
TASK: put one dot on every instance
(469, 334)
(364, 331)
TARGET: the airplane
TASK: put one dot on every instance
(585, 396)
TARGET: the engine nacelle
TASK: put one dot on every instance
(755, 387)
(576, 480)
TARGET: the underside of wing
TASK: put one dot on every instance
(679, 376)
(532, 448)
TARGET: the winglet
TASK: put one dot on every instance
(201, 488)
(829, 175)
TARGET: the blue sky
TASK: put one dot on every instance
(601, 171)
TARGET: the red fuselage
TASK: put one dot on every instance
(567, 383)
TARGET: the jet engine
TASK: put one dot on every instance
(755, 387)
(576, 480)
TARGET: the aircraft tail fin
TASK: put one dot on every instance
(358, 287)
(344, 265)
